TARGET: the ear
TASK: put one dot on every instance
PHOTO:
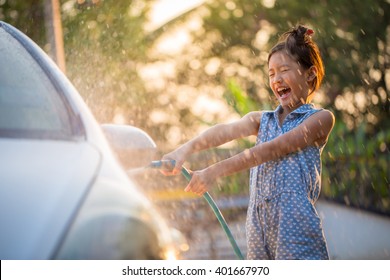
(311, 73)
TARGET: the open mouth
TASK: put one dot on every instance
(283, 92)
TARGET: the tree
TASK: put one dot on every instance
(26, 16)
(54, 35)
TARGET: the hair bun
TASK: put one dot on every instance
(297, 34)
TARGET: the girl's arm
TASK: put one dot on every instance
(215, 136)
(313, 131)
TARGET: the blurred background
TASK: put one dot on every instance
(173, 68)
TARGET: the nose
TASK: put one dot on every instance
(277, 79)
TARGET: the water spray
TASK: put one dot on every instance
(168, 165)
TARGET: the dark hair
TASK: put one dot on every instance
(300, 46)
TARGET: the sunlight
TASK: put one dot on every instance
(159, 116)
(269, 3)
(387, 78)
(165, 10)
(209, 103)
(213, 66)
(157, 73)
(345, 102)
(204, 105)
(263, 35)
(173, 42)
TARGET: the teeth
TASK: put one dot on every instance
(282, 91)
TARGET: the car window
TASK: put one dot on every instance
(30, 106)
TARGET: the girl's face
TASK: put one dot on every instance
(288, 81)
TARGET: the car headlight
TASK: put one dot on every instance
(116, 222)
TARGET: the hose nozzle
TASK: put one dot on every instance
(167, 165)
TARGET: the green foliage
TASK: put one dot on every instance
(238, 99)
(109, 27)
(356, 168)
(27, 16)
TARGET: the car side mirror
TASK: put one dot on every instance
(133, 146)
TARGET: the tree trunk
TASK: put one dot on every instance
(54, 32)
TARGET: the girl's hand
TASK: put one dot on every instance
(179, 156)
(201, 182)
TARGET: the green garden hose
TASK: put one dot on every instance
(210, 201)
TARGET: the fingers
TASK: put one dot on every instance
(171, 172)
(167, 173)
(177, 169)
(179, 157)
(171, 167)
(197, 185)
(197, 191)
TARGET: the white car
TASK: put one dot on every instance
(63, 193)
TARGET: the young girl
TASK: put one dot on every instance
(282, 222)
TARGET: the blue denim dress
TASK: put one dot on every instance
(282, 222)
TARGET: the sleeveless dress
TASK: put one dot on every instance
(282, 222)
